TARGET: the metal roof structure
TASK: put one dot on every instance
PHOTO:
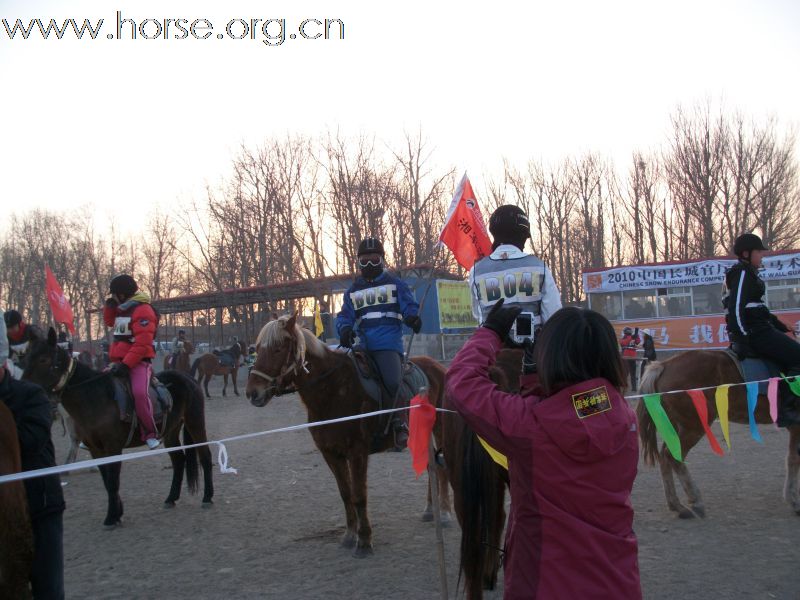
(289, 290)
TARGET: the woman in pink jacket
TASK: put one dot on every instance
(570, 438)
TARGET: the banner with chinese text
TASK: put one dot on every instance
(455, 304)
(693, 333)
(705, 272)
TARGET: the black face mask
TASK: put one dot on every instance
(371, 272)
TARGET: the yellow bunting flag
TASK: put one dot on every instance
(318, 328)
(721, 397)
(497, 457)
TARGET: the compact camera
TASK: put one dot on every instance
(523, 327)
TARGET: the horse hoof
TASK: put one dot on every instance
(348, 541)
(427, 516)
(447, 519)
(363, 551)
(700, 511)
(207, 504)
(685, 513)
(169, 504)
(111, 526)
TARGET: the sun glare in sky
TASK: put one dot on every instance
(124, 124)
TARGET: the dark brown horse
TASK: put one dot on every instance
(329, 386)
(88, 396)
(209, 364)
(182, 358)
(16, 539)
(479, 487)
(697, 369)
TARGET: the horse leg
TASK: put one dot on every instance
(178, 459)
(208, 481)
(224, 383)
(665, 462)
(495, 534)
(445, 510)
(688, 441)
(233, 378)
(358, 472)
(340, 470)
(69, 424)
(206, 379)
(110, 475)
(790, 488)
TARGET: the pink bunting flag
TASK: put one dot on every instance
(772, 396)
(699, 400)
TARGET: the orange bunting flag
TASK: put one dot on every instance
(62, 311)
(464, 231)
(699, 400)
(420, 426)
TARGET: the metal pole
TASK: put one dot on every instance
(433, 479)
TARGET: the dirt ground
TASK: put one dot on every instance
(274, 529)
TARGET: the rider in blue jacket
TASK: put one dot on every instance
(376, 306)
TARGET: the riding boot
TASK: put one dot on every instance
(788, 408)
(400, 430)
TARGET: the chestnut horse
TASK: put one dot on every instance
(206, 366)
(182, 358)
(479, 487)
(16, 539)
(329, 386)
(88, 396)
(697, 369)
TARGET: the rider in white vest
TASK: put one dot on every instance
(521, 278)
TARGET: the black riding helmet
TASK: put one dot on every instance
(124, 285)
(370, 246)
(12, 317)
(509, 225)
(747, 242)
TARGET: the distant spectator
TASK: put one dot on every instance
(648, 346)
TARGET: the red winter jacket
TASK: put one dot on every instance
(628, 344)
(135, 323)
(572, 461)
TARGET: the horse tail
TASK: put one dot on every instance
(191, 461)
(482, 493)
(195, 364)
(647, 428)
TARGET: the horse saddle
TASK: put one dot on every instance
(226, 359)
(160, 399)
(414, 379)
(754, 368)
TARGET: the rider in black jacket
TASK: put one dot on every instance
(33, 416)
(751, 323)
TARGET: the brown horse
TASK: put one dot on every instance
(16, 539)
(696, 369)
(182, 358)
(209, 364)
(329, 386)
(479, 487)
(88, 396)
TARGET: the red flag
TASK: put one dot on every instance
(62, 311)
(464, 232)
(699, 400)
(420, 425)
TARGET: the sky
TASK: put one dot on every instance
(128, 125)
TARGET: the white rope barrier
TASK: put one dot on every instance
(222, 456)
(712, 387)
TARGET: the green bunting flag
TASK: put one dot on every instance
(793, 383)
(653, 404)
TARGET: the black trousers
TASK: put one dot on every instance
(779, 347)
(47, 573)
(390, 364)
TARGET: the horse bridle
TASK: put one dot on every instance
(66, 375)
(291, 367)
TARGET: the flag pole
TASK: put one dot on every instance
(433, 481)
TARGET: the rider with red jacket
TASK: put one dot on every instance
(134, 323)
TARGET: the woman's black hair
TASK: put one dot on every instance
(577, 344)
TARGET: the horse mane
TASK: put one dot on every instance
(274, 333)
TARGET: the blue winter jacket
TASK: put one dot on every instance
(375, 310)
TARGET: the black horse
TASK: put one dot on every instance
(88, 396)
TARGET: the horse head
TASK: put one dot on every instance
(280, 353)
(48, 364)
(187, 347)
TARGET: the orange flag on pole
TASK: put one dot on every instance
(420, 426)
(62, 311)
(464, 231)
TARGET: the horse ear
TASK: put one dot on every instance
(292, 320)
(52, 339)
